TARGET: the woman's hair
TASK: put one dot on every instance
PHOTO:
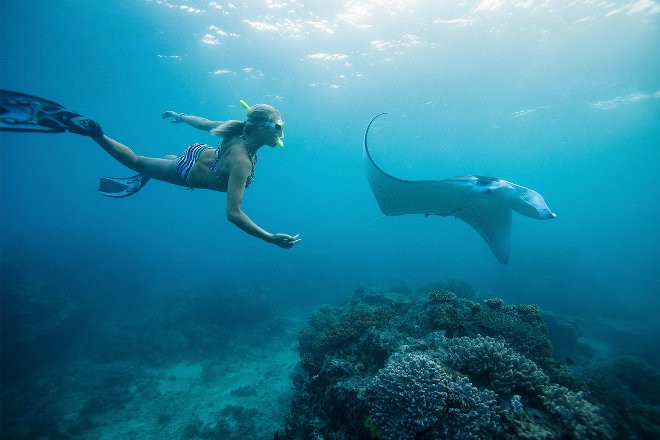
(229, 129)
(257, 113)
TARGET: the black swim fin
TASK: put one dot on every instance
(21, 112)
(122, 186)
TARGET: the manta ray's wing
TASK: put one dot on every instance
(485, 203)
(493, 223)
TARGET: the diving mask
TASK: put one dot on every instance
(279, 125)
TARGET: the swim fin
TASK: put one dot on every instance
(122, 186)
(21, 112)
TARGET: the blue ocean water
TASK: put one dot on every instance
(561, 97)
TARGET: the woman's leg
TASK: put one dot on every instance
(161, 169)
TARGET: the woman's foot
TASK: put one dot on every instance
(70, 121)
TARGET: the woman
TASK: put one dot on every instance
(229, 168)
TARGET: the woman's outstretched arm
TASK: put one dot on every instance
(235, 190)
(194, 121)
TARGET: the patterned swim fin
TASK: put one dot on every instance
(122, 186)
(21, 112)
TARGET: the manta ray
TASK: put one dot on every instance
(485, 203)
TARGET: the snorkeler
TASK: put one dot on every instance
(229, 168)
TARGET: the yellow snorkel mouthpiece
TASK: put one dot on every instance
(247, 109)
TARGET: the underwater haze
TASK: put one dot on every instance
(154, 317)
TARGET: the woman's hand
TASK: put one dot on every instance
(285, 241)
(170, 114)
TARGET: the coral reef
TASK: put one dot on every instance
(435, 365)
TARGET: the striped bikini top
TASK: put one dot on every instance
(220, 156)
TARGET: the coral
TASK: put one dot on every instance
(516, 404)
(335, 369)
(447, 316)
(322, 318)
(471, 412)
(528, 335)
(492, 363)
(496, 323)
(529, 312)
(408, 396)
(441, 296)
(374, 348)
(309, 338)
(352, 324)
(459, 287)
(578, 417)
(414, 394)
(494, 303)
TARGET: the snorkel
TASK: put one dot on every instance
(247, 109)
